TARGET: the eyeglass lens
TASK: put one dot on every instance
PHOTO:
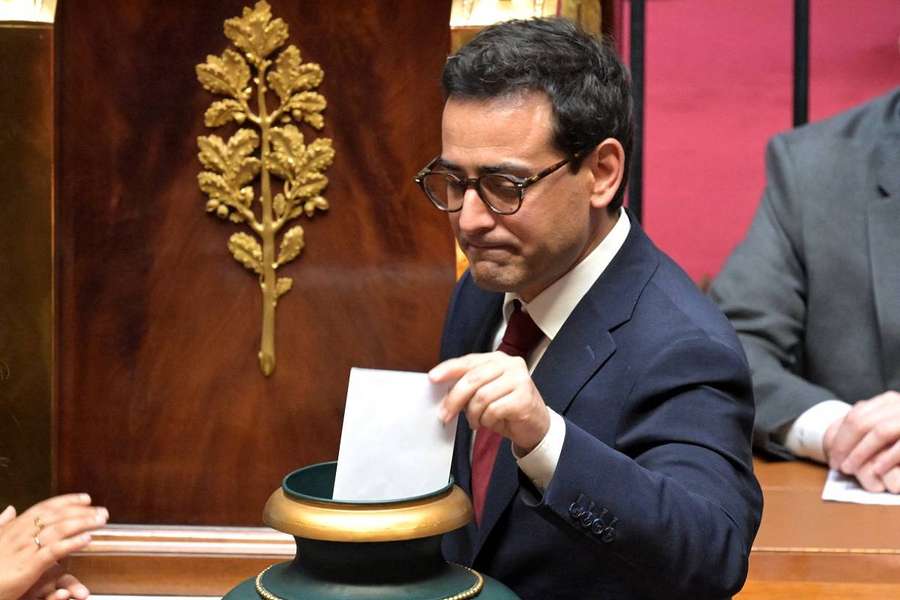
(447, 191)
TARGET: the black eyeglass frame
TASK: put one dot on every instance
(520, 183)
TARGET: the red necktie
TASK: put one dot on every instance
(519, 339)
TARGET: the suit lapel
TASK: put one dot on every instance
(883, 217)
(580, 349)
(489, 316)
(585, 343)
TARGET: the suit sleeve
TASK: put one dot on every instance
(762, 290)
(676, 503)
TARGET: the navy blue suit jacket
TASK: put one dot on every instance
(654, 493)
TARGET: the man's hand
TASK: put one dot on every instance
(495, 391)
(33, 544)
(866, 443)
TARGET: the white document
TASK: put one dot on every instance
(393, 444)
(843, 488)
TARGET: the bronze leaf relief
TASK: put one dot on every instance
(267, 145)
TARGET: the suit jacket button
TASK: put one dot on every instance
(607, 535)
(575, 511)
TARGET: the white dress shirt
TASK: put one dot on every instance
(805, 437)
(550, 310)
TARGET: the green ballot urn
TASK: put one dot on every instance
(365, 550)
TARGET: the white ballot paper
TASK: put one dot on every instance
(393, 444)
(843, 488)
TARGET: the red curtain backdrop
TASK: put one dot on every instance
(718, 86)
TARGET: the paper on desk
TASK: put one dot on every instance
(843, 488)
(393, 444)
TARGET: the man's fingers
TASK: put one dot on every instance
(854, 427)
(887, 460)
(483, 380)
(889, 397)
(484, 397)
(868, 479)
(516, 417)
(499, 411)
(454, 368)
(480, 372)
(874, 425)
(891, 480)
(882, 435)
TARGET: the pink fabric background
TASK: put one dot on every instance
(719, 84)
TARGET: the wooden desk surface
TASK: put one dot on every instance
(806, 549)
(809, 548)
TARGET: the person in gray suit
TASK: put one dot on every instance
(814, 293)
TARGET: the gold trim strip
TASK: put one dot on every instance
(464, 595)
(139, 540)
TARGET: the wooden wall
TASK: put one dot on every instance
(163, 414)
(26, 261)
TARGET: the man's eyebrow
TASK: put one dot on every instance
(503, 167)
(506, 167)
(446, 164)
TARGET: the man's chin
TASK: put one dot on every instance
(493, 279)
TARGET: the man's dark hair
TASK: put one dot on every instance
(588, 87)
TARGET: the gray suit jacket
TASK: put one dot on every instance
(814, 289)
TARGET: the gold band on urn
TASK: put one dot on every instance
(472, 592)
(368, 522)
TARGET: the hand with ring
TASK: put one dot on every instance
(33, 544)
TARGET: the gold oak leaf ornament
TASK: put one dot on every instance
(260, 149)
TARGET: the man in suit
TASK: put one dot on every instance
(611, 454)
(814, 293)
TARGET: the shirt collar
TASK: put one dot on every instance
(552, 307)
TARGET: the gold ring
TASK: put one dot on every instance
(37, 541)
(38, 523)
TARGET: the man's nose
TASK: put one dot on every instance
(474, 214)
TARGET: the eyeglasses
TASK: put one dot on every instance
(500, 192)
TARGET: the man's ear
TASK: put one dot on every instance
(607, 164)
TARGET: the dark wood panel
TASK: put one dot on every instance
(164, 414)
(26, 261)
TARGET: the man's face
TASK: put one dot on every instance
(556, 226)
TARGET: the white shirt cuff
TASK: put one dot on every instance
(806, 434)
(540, 463)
